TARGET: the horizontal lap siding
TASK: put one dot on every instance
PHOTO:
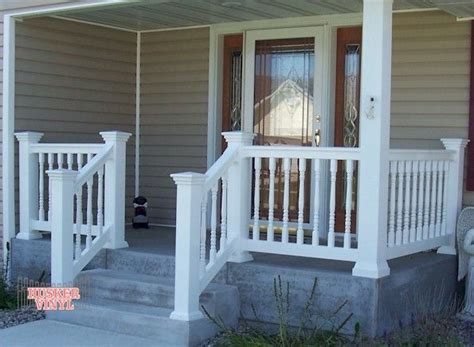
(430, 81)
(1, 124)
(173, 114)
(75, 80)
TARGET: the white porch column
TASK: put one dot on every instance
(454, 192)
(62, 244)
(28, 184)
(374, 139)
(188, 239)
(114, 191)
(238, 192)
(8, 126)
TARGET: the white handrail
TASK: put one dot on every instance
(215, 172)
(91, 168)
(424, 154)
(283, 151)
(85, 197)
(72, 148)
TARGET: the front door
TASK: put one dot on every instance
(282, 103)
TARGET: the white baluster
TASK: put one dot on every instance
(69, 159)
(271, 199)
(349, 178)
(434, 187)
(413, 202)
(317, 184)
(401, 178)
(426, 219)
(202, 255)
(79, 218)
(300, 231)
(60, 160)
(332, 204)
(391, 218)
(256, 200)
(419, 225)
(50, 192)
(213, 249)
(89, 209)
(286, 199)
(439, 199)
(100, 200)
(223, 240)
(406, 213)
(444, 224)
(41, 187)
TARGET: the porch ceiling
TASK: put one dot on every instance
(162, 14)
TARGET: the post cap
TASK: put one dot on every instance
(30, 136)
(238, 137)
(455, 144)
(115, 136)
(188, 178)
(63, 174)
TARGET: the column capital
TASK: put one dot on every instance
(62, 174)
(115, 136)
(29, 136)
(188, 178)
(454, 144)
(238, 138)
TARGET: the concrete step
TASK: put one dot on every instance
(137, 320)
(126, 287)
(140, 305)
(132, 261)
(142, 289)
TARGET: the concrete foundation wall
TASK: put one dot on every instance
(418, 284)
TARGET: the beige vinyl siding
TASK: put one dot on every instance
(74, 80)
(1, 152)
(430, 80)
(174, 114)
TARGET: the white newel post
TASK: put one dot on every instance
(454, 191)
(114, 190)
(28, 163)
(374, 139)
(190, 188)
(62, 245)
(238, 194)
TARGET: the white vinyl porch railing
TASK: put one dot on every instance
(425, 195)
(75, 191)
(216, 221)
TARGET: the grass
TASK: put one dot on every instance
(314, 329)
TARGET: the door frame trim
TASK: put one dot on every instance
(216, 42)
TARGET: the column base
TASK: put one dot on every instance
(186, 316)
(241, 257)
(370, 269)
(449, 250)
(32, 235)
(116, 245)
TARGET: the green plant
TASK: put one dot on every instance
(306, 333)
(7, 296)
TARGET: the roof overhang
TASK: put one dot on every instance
(145, 15)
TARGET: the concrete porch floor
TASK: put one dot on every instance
(424, 281)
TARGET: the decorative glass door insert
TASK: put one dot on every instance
(285, 104)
